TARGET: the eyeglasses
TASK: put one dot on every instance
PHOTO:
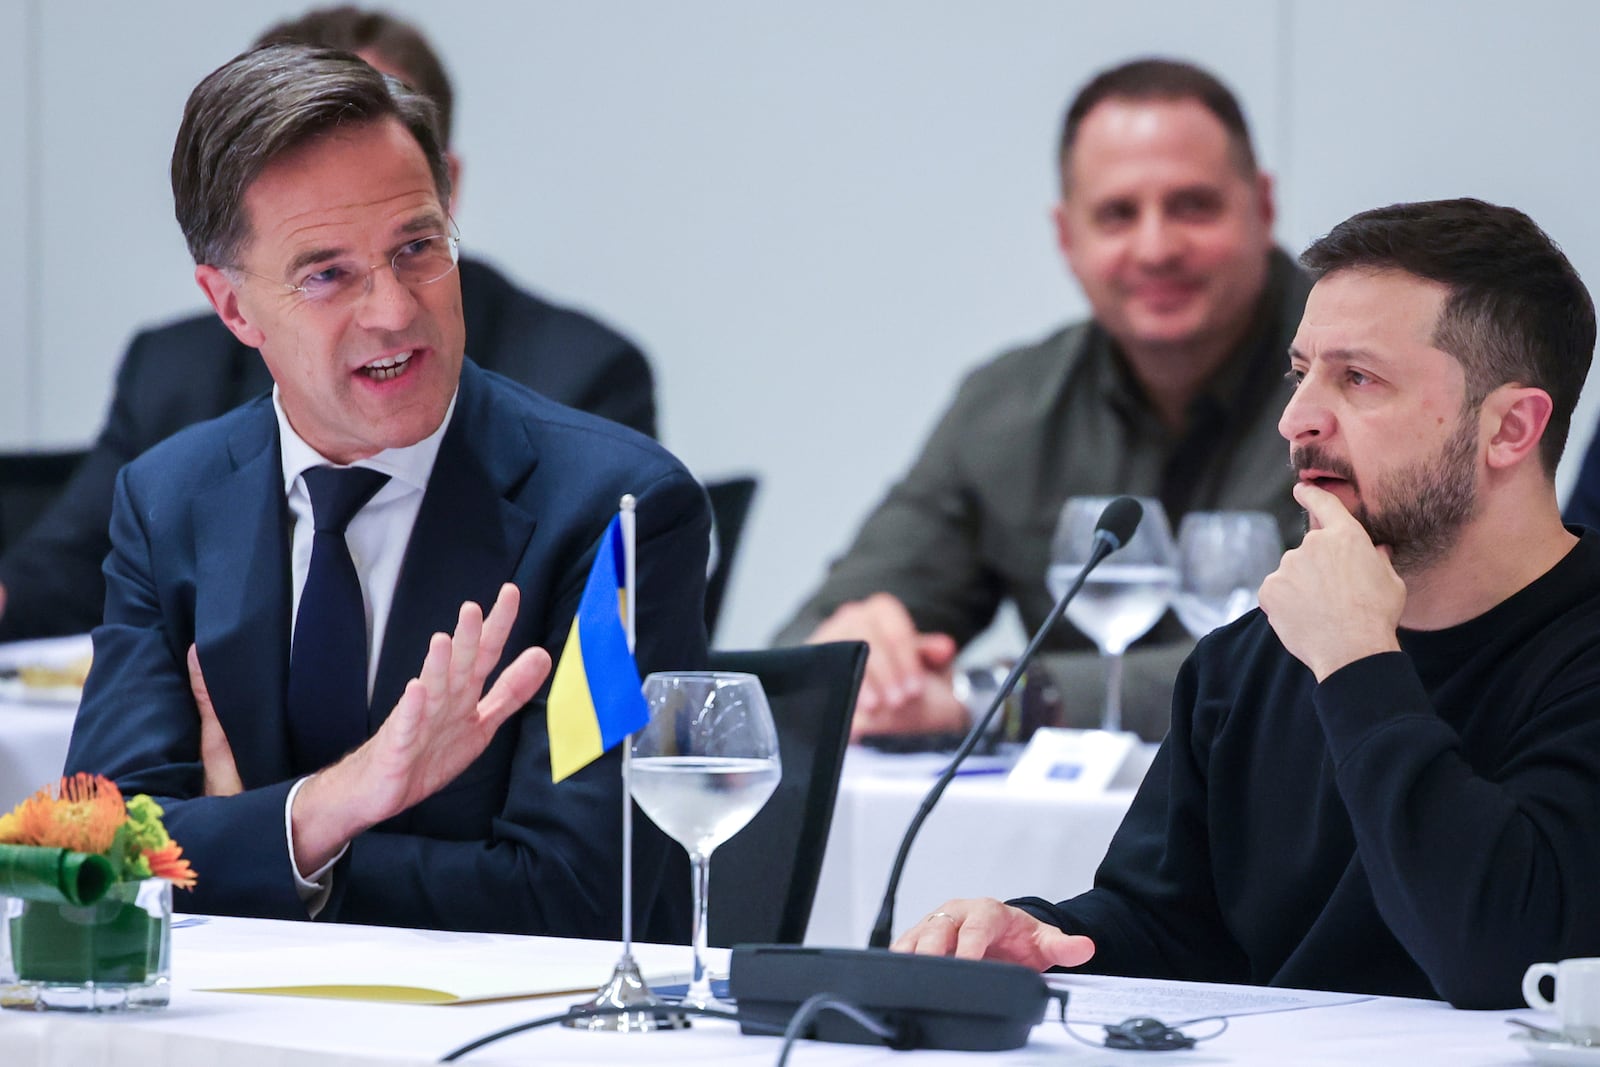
(421, 261)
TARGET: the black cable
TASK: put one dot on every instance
(1141, 1033)
(580, 1011)
(818, 1003)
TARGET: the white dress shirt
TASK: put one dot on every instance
(377, 537)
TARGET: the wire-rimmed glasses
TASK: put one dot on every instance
(340, 283)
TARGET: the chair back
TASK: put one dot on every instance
(29, 483)
(764, 878)
(730, 506)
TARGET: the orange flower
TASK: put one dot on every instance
(168, 862)
(83, 815)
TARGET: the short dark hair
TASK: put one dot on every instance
(266, 102)
(1157, 78)
(402, 46)
(1517, 310)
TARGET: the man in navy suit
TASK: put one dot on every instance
(313, 194)
(194, 369)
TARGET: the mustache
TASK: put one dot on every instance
(1313, 457)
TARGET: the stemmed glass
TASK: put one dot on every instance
(1223, 557)
(1125, 595)
(701, 769)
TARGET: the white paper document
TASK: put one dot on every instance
(399, 966)
(1102, 999)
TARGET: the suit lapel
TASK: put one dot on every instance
(242, 596)
(468, 538)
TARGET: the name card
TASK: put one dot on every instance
(1072, 761)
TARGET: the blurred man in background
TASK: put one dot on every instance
(1172, 390)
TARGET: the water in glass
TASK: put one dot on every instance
(701, 769)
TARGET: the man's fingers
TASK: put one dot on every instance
(497, 627)
(1062, 949)
(977, 932)
(464, 644)
(934, 935)
(936, 651)
(197, 684)
(216, 755)
(1324, 508)
(515, 687)
(435, 673)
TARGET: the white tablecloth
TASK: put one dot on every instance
(33, 745)
(984, 839)
(35, 724)
(238, 1030)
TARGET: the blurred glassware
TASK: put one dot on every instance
(1223, 556)
(1123, 597)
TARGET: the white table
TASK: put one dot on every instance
(266, 1031)
(984, 839)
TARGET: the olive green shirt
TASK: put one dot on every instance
(969, 526)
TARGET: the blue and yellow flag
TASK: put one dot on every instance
(595, 700)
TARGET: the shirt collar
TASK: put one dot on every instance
(409, 465)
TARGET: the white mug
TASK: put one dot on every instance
(1577, 996)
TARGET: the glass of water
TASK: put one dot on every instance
(1223, 557)
(701, 769)
(1125, 595)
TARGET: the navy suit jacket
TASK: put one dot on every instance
(194, 369)
(521, 490)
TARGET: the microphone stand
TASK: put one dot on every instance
(930, 1002)
(1105, 543)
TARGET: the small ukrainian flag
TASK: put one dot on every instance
(595, 700)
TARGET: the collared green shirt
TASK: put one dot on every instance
(969, 525)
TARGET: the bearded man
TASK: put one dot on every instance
(1382, 781)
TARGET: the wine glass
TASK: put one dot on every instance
(1125, 595)
(1223, 557)
(701, 769)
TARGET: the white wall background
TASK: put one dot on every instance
(814, 216)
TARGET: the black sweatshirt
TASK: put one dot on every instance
(1424, 823)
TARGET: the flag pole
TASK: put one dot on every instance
(636, 1007)
(629, 625)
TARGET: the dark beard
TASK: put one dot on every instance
(1429, 501)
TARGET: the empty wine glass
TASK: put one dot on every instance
(1222, 558)
(1125, 595)
(701, 769)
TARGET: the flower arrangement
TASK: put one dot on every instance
(86, 814)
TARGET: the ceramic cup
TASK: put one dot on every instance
(1577, 996)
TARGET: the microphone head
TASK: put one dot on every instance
(1119, 520)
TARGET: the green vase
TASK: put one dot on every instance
(106, 956)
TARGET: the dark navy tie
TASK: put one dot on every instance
(328, 660)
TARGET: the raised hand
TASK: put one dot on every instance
(1336, 598)
(443, 721)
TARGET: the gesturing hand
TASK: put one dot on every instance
(1336, 598)
(986, 929)
(443, 721)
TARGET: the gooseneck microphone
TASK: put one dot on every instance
(1116, 526)
(925, 1001)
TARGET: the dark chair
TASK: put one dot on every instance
(730, 506)
(29, 482)
(764, 878)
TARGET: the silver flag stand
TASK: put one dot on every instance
(631, 1006)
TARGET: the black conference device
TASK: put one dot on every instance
(927, 1001)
